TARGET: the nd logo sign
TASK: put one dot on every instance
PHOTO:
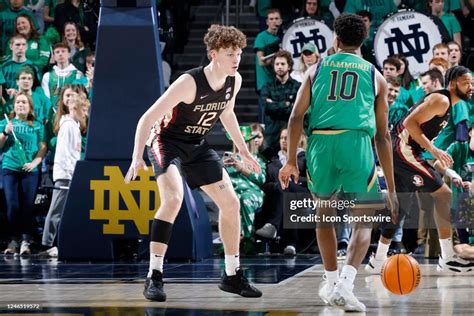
(108, 195)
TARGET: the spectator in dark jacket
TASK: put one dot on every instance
(273, 203)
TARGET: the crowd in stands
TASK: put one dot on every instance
(46, 74)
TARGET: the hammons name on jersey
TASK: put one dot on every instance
(207, 119)
(346, 65)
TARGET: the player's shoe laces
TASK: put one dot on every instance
(238, 284)
(455, 264)
(154, 287)
(374, 266)
(343, 298)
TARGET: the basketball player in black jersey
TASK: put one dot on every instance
(410, 137)
(177, 148)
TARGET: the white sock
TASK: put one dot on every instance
(332, 277)
(348, 275)
(232, 262)
(156, 263)
(382, 249)
(446, 247)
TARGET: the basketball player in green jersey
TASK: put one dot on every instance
(347, 102)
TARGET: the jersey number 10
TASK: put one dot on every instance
(348, 77)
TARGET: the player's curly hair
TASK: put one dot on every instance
(350, 29)
(221, 36)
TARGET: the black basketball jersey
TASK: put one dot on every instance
(190, 123)
(431, 128)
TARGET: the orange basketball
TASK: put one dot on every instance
(401, 274)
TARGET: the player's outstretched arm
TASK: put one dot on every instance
(182, 90)
(383, 142)
(231, 125)
(295, 128)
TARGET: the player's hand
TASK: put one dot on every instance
(393, 205)
(135, 166)
(285, 174)
(443, 157)
(250, 162)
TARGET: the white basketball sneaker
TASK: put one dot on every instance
(343, 298)
(374, 266)
(325, 292)
(455, 265)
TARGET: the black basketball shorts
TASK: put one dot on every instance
(197, 163)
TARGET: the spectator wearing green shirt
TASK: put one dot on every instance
(9, 68)
(409, 84)
(38, 49)
(266, 43)
(23, 146)
(63, 73)
(396, 110)
(25, 78)
(72, 38)
(392, 67)
(379, 9)
(278, 97)
(449, 20)
(7, 18)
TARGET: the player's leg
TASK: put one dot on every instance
(407, 202)
(358, 178)
(323, 183)
(449, 261)
(171, 198)
(327, 245)
(223, 194)
(404, 175)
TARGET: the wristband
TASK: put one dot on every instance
(5, 133)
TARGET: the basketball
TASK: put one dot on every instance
(401, 274)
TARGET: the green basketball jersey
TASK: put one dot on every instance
(343, 94)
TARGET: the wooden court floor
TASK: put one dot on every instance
(73, 292)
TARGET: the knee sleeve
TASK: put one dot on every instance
(161, 231)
